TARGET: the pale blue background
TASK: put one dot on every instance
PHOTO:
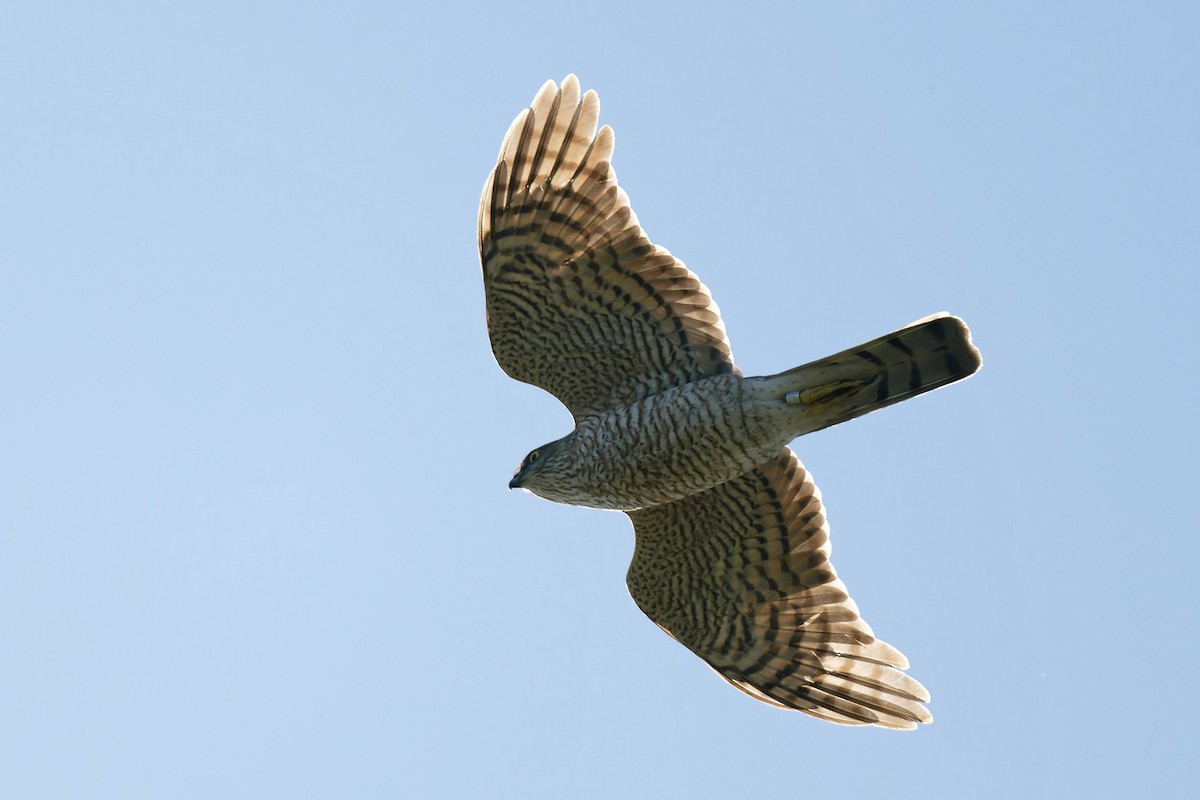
(255, 538)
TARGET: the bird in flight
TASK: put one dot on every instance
(732, 545)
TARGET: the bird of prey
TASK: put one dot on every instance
(732, 545)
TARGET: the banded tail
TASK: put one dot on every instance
(923, 356)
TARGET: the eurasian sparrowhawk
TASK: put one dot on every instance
(732, 545)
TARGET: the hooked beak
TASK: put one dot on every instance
(515, 483)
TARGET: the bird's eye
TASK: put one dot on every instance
(534, 456)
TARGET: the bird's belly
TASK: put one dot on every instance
(671, 445)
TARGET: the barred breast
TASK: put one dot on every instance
(662, 448)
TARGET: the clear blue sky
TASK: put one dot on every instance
(255, 535)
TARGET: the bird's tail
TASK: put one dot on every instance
(923, 356)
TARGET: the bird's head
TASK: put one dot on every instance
(537, 470)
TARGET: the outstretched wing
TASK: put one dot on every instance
(579, 301)
(740, 574)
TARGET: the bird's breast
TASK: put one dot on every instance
(668, 446)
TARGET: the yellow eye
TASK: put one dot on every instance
(534, 456)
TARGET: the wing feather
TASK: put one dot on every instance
(740, 574)
(579, 300)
